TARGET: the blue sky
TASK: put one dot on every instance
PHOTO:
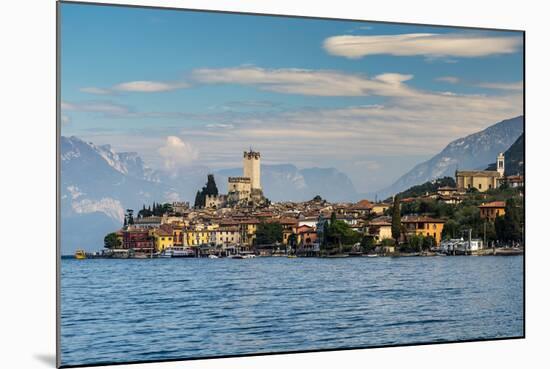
(188, 88)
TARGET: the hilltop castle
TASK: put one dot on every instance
(242, 191)
(246, 189)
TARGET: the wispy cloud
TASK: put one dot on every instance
(220, 126)
(150, 86)
(96, 90)
(102, 107)
(306, 81)
(426, 44)
(507, 86)
(137, 86)
(512, 86)
(448, 79)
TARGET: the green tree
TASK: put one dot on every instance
(211, 188)
(198, 200)
(269, 233)
(130, 216)
(396, 220)
(111, 241)
(451, 229)
(325, 235)
(367, 244)
(293, 242)
(508, 228)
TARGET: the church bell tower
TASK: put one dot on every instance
(500, 164)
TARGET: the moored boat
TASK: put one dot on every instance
(80, 254)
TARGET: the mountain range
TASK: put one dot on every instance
(98, 183)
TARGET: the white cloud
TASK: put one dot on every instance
(448, 79)
(104, 107)
(65, 119)
(149, 86)
(307, 82)
(137, 86)
(220, 126)
(177, 153)
(513, 86)
(426, 44)
(96, 90)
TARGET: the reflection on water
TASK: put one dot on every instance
(133, 310)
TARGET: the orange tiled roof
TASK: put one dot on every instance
(420, 219)
(494, 204)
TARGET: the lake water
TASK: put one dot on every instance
(135, 310)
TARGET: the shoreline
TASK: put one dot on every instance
(483, 252)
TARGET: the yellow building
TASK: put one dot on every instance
(379, 208)
(163, 238)
(178, 235)
(196, 237)
(225, 236)
(248, 231)
(290, 226)
(492, 210)
(481, 180)
(422, 225)
(380, 228)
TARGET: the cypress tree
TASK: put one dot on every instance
(197, 199)
(396, 220)
(211, 188)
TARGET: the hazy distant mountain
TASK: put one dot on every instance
(513, 158)
(98, 184)
(475, 151)
(286, 182)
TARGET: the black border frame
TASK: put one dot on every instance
(58, 185)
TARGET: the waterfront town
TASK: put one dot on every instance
(475, 213)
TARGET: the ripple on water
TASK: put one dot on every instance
(130, 310)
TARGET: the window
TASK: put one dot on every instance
(479, 186)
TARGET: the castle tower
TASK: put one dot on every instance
(251, 168)
(500, 164)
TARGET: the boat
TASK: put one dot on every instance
(236, 256)
(164, 254)
(372, 255)
(337, 256)
(80, 254)
(182, 252)
(212, 257)
(249, 256)
(440, 254)
(291, 256)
